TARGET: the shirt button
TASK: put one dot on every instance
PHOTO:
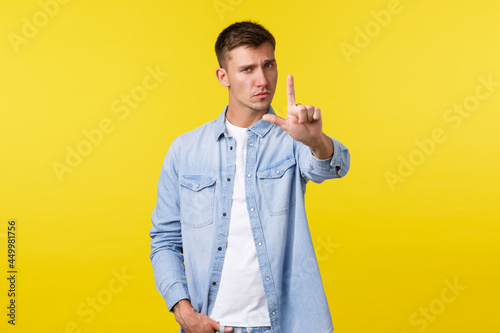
(219, 248)
(267, 278)
(260, 243)
(223, 214)
(214, 283)
(251, 145)
(272, 313)
(197, 185)
(277, 172)
(249, 175)
(251, 209)
(231, 148)
(229, 179)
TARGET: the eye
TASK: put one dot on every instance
(246, 69)
(269, 65)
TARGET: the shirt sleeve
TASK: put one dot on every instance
(318, 170)
(166, 240)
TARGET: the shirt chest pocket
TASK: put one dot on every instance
(197, 199)
(277, 183)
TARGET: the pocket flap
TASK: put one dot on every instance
(277, 170)
(196, 182)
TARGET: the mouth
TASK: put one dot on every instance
(263, 94)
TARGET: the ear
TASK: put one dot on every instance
(221, 74)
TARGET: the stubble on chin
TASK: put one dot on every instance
(260, 108)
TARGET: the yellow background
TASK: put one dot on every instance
(385, 253)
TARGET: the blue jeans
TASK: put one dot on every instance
(266, 329)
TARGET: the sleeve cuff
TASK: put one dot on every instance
(335, 162)
(174, 294)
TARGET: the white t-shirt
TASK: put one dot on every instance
(241, 300)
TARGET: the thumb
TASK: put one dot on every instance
(226, 329)
(215, 325)
(272, 118)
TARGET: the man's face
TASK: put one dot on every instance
(252, 75)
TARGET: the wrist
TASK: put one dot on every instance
(322, 148)
(181, 307)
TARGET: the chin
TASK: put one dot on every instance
(260, 106)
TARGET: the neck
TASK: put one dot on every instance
(243, 116)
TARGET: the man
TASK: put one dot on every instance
(231, 248)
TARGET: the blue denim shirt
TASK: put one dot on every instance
(191, 220)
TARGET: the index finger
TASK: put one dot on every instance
(290, 90)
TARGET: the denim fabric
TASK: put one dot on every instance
(191, 220)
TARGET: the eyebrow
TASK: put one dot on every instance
(273, 60)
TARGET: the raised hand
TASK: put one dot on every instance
(303, 123)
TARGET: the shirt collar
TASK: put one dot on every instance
(261, 128)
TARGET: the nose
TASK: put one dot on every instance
(261, 79)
